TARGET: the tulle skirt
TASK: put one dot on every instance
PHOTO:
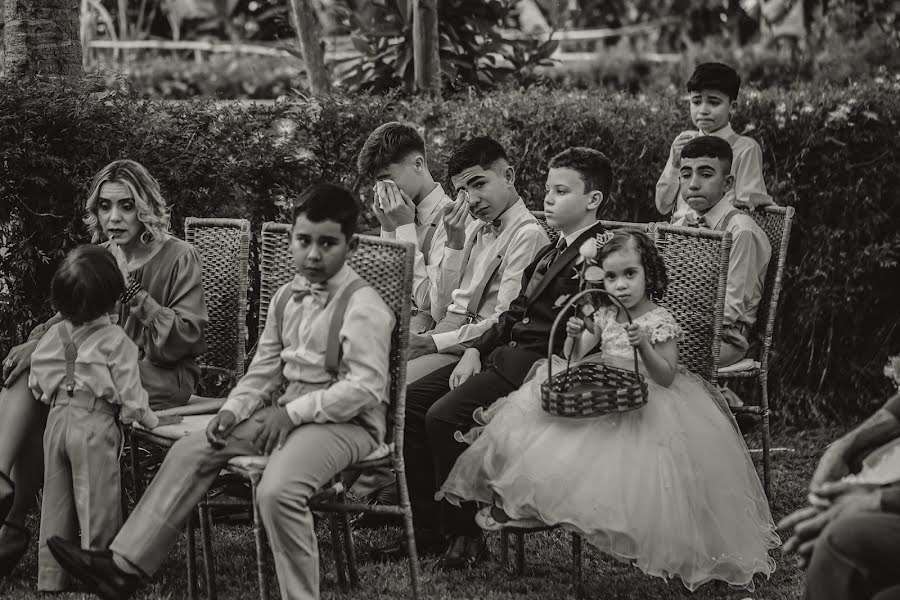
(670, 487)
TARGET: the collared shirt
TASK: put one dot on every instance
(750, 254)
(503, 288)
(425, 268)
(746, 166)
(106, 368)
(570, 239)
(363, 376)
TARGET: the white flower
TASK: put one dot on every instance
(588, 249)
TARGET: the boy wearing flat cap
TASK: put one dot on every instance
(713, 90)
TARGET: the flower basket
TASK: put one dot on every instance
(591, 390)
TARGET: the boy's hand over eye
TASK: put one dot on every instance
(678, 145)
(574, 326)
(455, 221)
(275, 425)
(397, 205)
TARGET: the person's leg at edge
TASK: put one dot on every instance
(189, 469)
(22, 421)
(452, 413)
(855, 557)
(310, 457)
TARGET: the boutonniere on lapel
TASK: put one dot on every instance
(589, 275)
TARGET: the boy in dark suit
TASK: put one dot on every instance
(442, 402)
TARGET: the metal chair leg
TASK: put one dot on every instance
(339, 567)
(191, 556)
(259, 539)
(520, 553)
(349, 546)
(576, 566)
(209, 566)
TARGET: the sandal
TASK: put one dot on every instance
(12, 551)
(7, 495)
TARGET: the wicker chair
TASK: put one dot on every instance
(387, 266)
(697, 264)
(553, 234)
(224, 246)
(776, 221)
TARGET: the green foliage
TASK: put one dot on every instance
(832, 153)
(473, 50)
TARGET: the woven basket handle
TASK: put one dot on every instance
(566, 308)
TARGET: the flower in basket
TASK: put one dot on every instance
(892, 370)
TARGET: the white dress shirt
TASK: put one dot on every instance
(425, 268)
(363, 376)
(746, 166)
(462, 279)
(750, 255)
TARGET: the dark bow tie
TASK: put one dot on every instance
(493, 227)
(699, 221)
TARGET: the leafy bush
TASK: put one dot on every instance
(831, 153)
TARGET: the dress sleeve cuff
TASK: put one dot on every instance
(445, 340)
(452, 259)
(302, 410)
(407, 233)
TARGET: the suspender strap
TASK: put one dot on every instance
(467, 250)
(723, 224)
(477, 298)
(333, 349)
(70, 349)
(280, 305)
(429, 235)
(732, 138)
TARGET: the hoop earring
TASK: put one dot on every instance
(146, 237)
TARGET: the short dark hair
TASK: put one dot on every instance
(715, 76)
(388, 144)
(592, 165)
(657, 279)
(482, 151)
(86, 284)
(328, 202)
(709, 146)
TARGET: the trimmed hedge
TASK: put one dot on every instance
(833, 154)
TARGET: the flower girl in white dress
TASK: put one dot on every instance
(669, 487)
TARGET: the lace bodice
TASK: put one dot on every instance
(659, 324)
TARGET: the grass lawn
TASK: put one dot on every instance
(547, 575)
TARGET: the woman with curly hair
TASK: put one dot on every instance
(162, 310)
(669, 488)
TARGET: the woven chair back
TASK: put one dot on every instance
(776, 221)
(387, 266)
(697, 264)
(224, 246)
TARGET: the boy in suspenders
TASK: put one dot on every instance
(409, 206)
(713, 90)
(705, 179)
(481, 271)
(328, 334)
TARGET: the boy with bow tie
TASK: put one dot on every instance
(322, 423)
(496, 363)
(481, 271)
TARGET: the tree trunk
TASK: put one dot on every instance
(305, 24)
(42, 37)
(426, 47)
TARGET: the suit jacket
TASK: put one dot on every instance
(520, 336)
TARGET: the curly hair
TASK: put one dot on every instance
(151, 207)
(655, 275)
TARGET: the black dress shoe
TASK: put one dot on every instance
(7, 495)
(465, 552)
(427, 544)
(13, 548)
(95, 568)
